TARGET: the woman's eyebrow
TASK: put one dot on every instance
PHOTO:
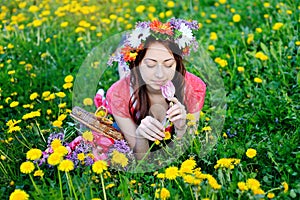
(156, 60)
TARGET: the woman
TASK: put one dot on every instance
(136, 101)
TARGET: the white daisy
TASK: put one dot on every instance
(186, 36)
(137, 36)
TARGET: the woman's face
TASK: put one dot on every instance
(158, 66)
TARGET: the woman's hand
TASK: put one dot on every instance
(177, 113)
(151, 129)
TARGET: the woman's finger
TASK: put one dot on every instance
(151, 129)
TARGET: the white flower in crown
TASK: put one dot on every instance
(137, 36)
(186, 36)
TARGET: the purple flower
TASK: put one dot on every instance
(53, 136)
(142, 25)
(168, 90)
(177, 22)
(121, 146)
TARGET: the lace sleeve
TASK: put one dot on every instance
(195, 93)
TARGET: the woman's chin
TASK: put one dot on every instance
(154, 88)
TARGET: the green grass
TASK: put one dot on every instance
(262, 116)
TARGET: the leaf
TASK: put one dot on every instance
(264, 48)
(273, 53)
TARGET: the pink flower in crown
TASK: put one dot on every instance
(168, 90)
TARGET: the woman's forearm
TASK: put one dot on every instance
(141, 147)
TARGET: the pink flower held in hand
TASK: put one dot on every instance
(168, 90)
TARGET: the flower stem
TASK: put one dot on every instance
(60, 185)
(103, 187)
(145, 156)
(34, 185)
(70, 183)
(179, 186)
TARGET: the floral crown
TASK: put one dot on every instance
(177, 30)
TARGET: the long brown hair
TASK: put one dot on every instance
(139, 101)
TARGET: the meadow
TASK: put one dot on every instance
(246, 145)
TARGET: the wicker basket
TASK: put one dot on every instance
(96, 123)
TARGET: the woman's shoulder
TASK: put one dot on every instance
(120, 85)
(195, 90)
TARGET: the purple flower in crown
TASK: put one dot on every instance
(168, 90)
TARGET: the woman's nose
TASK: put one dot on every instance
(159, 73)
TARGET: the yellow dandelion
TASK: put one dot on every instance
(277, 26)
(161, 175)
(62, 150)
(33, 96)
(236, 18)
(10, 46)
(57, 123)
(60, 94)
(167, 135)
(33, 9)
(241, 69)
(211, 48)
(151, 9)
(110, 186)
(213, 36)
(64, 24)
(46, 94)
(67, 85)
(33, 154)
(14, 104)
(206, 128)
(87, 102)
(69, 79)
(188, 179)
(242, 186)
(54, 159)
(27, 167)
(80, 156)
(164, 193)
(140, 9)
(157, 142)
(261, 56)
(187, 166)
(62, 117)
(119, 158)
(88, 136)
(285, 186)
(171, 173)
(257, 80)
(99, 166)
(271, 195)
(66, 165)
(18, 194)
(39, 173)
(258, 30)
(56, 143)
(252, 183)
(251, 153)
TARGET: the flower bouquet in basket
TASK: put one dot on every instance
(97, 139)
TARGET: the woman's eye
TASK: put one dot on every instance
(150, 63)
(169, 64)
